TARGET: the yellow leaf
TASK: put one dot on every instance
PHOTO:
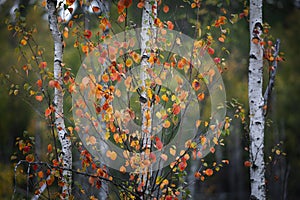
(172, 151)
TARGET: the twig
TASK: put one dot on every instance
(50, 166)
(272, 77)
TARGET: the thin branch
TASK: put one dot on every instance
(270, 86)
(50, 166)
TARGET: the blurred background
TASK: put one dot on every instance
(19, 114)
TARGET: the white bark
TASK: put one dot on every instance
(256, 104)
(148, 35)
(64, 139)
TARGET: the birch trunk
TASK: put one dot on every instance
(148, 35)
(64, 139)
(256, 103)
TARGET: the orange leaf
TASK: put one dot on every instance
(43, 65)
(141, 4)
(49, 148)
(50, 180)
(39, 98)
(247, 163)
(197, 175)
(209, 172)
(128, 62)
(52, 83)
(105, 77)
(170, 25)
(47, 112)
(165, 98)
(40, 174)
(23, 42)
(122, 169)
(166, 9)
(96, 9)
(29, 158)
(166, 124)
(39, 83)
(196, 85)
(70, 2)
(201, 96)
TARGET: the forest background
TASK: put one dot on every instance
(233, 181)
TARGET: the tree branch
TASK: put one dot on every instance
(270, 86)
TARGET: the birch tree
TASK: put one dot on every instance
(256, 103)
(149, 13)
(65, 141)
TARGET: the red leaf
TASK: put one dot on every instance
(176, 109)
(87, 34)
(247, 163)
(47, 112)
(182, 165)
(43, 65)
(159, 144)
(210, 51)
(95, 9)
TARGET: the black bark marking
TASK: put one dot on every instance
(252, 56)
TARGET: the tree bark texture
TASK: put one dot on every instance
(256, 103)
(148, 35)
(65, 141)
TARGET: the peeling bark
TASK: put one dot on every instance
(256, 103)
(65, 141)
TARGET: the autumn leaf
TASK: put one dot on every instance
(196, 85)
(50, 180)
(165, 98)
(201, 96)
(166, 124)
(43, 65)
(197, 175)
(209, 172)
(166, 9)
(247, 163)
(176, 109)
(48, 112)
(170, 25)
(182, 165)
(87, 33)
(141, 4)
(96, 9)
(23, 42)
(122, 169)
(159, 144)
(30, 158)
(105, 77)
(40, 174)
(49, 148)
(128, 62)
(39, 98)
(210, 51)
(70, 2)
